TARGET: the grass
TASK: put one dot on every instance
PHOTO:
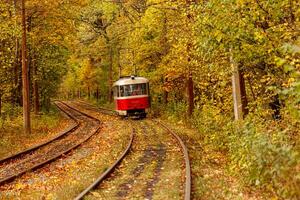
(257, 158)
(44, 126)
(211, 177)
(68, 176)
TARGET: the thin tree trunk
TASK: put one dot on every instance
(36, 101)
(16, 74)
(165, 95)
(165, 52)
(239, 92)
(47, 104)
(16, 61)
(251, 89)
(97, 93)
(0, 104)
(243, 93)
(29, 58)
(118, 62)
(89, 93)
(26, 103)
(190, 85)
(110, 74)
(19, 77)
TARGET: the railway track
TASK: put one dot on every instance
(155, 148)
(85, 126)
(104, 175)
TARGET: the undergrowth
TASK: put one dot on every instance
(11, 130)
(263, 153)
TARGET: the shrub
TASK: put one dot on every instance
(213, 124)
(261, 151)
(265, 160)
(10, 110)
(174, 111)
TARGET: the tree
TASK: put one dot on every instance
(25, 81)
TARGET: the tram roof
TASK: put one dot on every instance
(130, 80)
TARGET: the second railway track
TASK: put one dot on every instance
(156, 146)
(86, 126)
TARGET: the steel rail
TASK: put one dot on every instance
(187, 194)
(72, 128)
(108, 171)
(188, 179)
(52, 158)
(81, 112)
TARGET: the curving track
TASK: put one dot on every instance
(156, 146)
(104, 175)
(85, 127)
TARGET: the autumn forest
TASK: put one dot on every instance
(224, 78)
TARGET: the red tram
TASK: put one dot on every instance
(131, 95)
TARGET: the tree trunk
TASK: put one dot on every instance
(165, 92)
(16, 73)
(15, 98)
(36, 102)
(190, 83)
(165, 95)
(190, 86)
(47, 104)
(239, 92)
(25, 81)
(243, 93)
(89, 93)
(165, 52)
(110, 74)
(97, 93)
(118, 62)
(0, 104)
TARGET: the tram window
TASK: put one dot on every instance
(144, 88)
(134, 89)
(121, 91)
(127, 90)
(139, 89)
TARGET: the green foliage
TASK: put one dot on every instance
(13, 139)
(216, 126)
(176, 111)
(254, 34)
(263, 153)
(291, 90)
(9, 110)
(8, 31)
(265, 159)
(48, 37)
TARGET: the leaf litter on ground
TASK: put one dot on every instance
(69, 175)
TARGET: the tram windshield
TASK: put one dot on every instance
(133, 89)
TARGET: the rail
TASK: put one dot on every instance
(108, 171)
(187, 194)
(72, 128)
(52, 158)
